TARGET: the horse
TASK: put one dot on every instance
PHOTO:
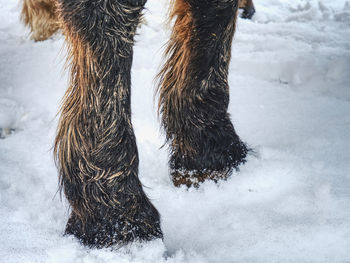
(95, 147)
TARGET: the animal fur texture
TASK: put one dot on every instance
(194, 92)
(95, 144)
(41, 17)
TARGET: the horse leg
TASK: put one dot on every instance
(194, 92)
(95, 145)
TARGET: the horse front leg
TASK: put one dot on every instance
(194, 92)
(95, 144)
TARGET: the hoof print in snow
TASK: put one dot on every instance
(4, 132)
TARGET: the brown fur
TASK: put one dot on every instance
(75, 101)
(173, 74)
(181, 34)
(193, 92)
(41, 17)
(246, 4)
(243, 3)
(95, 145)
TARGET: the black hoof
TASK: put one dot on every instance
(248, 13)
(106, 228)
(214, 161)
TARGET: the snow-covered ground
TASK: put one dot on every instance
(290, 100)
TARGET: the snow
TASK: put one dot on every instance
(290, 100)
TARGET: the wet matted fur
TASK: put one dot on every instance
(41, 17)
(95, 144)
(194, 92)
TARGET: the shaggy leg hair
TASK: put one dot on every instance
(248, 8)
(95, 145)
(41, 17)
(194, 92)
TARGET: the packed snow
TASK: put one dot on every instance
(290, 101)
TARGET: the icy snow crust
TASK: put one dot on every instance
(290, 100)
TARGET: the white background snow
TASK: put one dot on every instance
(290, 100)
